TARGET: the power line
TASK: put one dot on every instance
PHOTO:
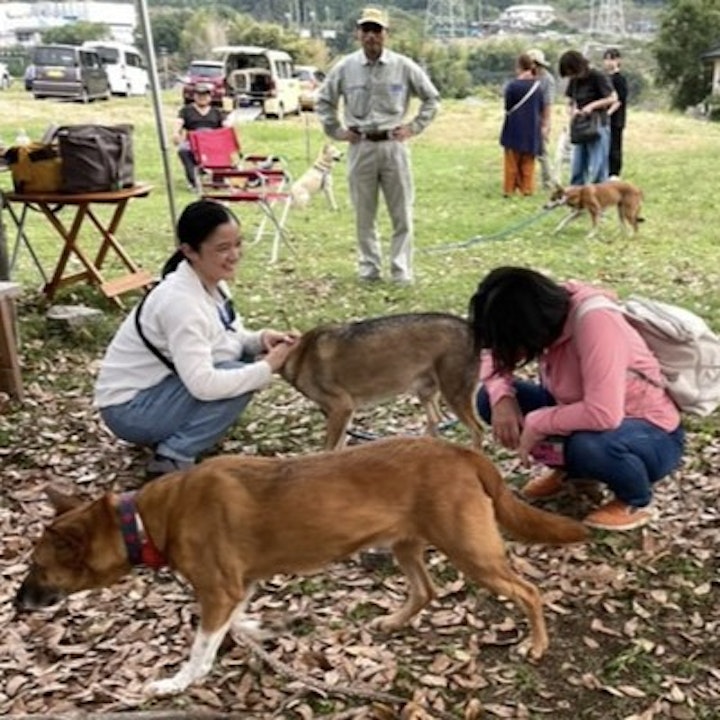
(607, 17)
(445, 19)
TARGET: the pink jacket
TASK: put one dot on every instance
(586, 371)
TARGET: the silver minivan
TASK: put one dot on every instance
(69, 71)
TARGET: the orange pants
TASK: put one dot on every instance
(519, 172)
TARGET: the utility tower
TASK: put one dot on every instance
(445, 19)
(607, 17)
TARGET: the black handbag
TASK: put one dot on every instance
(585, 128)
(96, 158)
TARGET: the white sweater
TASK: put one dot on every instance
(181, 320)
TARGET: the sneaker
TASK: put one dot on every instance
(616, 515)
(160, 465)
(545, 487)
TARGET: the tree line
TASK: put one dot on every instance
(187, 29)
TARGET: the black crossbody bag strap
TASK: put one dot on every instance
(167, 363)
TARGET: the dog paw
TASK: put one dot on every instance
(252, 628)
(162, 688)
(532, 651)
(385, 623)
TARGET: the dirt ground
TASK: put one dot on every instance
(633, 617)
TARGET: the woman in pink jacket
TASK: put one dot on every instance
(599, 410)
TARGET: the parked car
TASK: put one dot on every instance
(263, 77)
(205, 71)
(69, 71)
(124, 65)
(5, 78)
(310, 79)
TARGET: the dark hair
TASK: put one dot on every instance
(516, 313)
(573, 62)
(611, 54)
(197, 222)
(525, 62)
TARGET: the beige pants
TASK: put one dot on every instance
(375, 166)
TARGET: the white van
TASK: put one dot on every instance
(125, 67)
(259, 76)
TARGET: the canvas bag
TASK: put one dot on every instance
(96, 158)
(687, 349)
(35, 168)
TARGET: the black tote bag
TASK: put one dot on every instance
(96, 158)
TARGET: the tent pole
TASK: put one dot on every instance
(157, 106)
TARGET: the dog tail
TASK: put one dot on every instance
(523, 521)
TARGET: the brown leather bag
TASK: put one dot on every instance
(96, 158)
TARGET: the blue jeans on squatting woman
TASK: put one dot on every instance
(628, 459)
(169, 418)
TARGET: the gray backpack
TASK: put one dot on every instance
(687, 349)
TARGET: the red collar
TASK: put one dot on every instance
(139, 545)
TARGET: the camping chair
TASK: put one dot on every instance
(226, 175)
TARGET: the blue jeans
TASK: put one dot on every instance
(628, 459)
(167, 417)
(590, 161)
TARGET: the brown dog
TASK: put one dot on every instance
(342, 367)
(595, 198)
(233, 520)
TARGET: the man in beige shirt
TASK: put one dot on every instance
(376, 86)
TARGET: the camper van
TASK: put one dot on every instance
(124, 65)
(259, 76)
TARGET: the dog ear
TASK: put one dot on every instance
(69, 544)
(61, 502)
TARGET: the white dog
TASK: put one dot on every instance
(316, 178)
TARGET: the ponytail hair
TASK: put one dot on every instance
(197, 222)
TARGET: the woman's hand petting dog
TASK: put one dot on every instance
(277, 347)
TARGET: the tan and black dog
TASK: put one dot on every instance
(316, 178)
(233, 520)
(344, 366)
(596, 198)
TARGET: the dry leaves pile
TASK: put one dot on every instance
(634, 619)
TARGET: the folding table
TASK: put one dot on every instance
(84, 205)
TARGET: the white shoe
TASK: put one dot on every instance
(612, 178)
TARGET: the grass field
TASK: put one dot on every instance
(633, 617)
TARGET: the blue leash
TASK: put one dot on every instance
(495, 236)
(369, 437)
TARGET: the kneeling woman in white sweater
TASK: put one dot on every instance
(181, 368)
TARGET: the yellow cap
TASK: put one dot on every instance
(373, 15)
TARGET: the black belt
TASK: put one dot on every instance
(378, 136)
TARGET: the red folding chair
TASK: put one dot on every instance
(225, 174)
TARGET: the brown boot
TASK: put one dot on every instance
(616, 515)
(549, 485)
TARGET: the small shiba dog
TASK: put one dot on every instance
(234, 520)
(595, 198)
(316, 178)
(342, 367)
